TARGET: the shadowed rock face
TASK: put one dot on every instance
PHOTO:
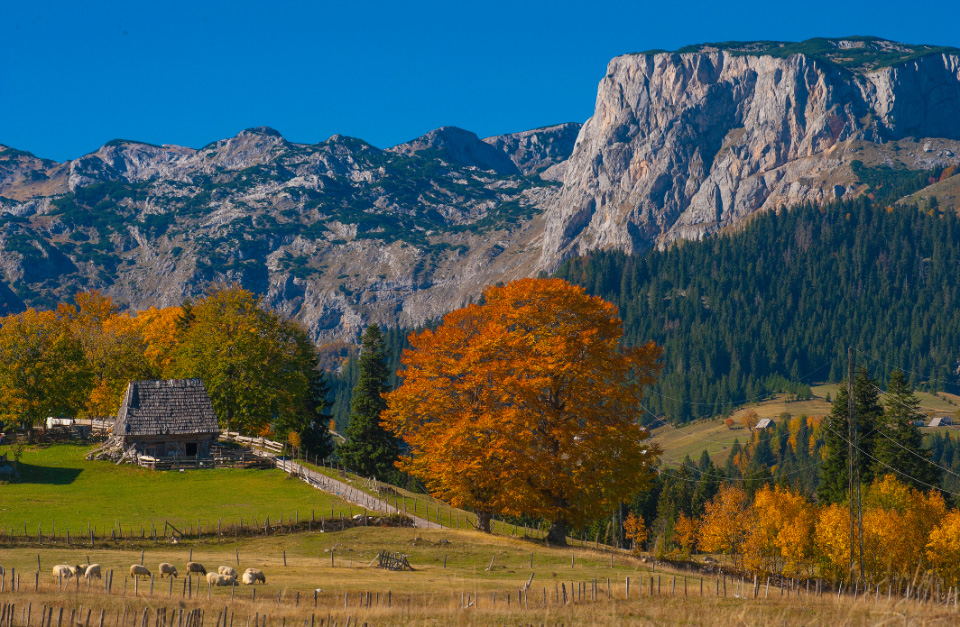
(681, 145)
(534, 152)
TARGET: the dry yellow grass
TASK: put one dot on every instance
(432, 594)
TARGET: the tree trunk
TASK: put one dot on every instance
(557, 535)
(483, 521)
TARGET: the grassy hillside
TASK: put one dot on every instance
(713, 435)
(59, 486)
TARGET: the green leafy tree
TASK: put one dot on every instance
(254, 363)
(370, 450)
(834, 473)
(900, 444)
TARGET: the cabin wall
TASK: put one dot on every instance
(174, 446)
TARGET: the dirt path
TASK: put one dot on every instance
(349, 493)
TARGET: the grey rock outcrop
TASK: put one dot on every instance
(682, 145)
(539, 149)
(456, 145)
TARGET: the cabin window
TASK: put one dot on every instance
(191, 449)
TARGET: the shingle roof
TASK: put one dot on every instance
(764, 423)
(171, 407)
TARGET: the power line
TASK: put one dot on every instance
(912, 452)
(899, 472)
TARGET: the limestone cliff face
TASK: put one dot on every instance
(682, 145)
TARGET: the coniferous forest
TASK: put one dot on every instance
(772, 307)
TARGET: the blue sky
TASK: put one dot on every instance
(76, 75)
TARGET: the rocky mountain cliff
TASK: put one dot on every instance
(341, 233)
(684, 144)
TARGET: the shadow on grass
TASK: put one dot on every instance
(47, 474)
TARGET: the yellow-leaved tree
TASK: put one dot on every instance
(527, 404)
(42, 369)
(781, 539)
(943, 548)
(726, 519)
(636, 531)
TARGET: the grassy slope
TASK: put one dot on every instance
(714, 437)
(59, 485)
(425, 506)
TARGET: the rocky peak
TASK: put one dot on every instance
(536, 150)
(458, 146)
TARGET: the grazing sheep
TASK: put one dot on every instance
(226, 570)
(62, 570)
(195, 567)
(167, 569)
(93, 570)
(216, 579)
(254, 576)
(139, 571)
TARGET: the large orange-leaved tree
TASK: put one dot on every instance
(527, 404)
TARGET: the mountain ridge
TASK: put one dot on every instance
(342, 233)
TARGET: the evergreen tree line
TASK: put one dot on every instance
(773, 306)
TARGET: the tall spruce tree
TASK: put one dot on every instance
(900, 445)
(370, 450)
(834, 472)
(316, 437)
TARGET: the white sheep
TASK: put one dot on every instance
(195, 567)
(216, 579)
(167, 569)
(252, 575)
(93, 570)
(137, 571)
(63, 571)
(228, 571)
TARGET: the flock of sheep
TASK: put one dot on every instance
(225, 575)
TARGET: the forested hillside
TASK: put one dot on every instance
(773, 305)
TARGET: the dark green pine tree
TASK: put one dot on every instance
(900, 445)
(834, 472)
(315, 438)
(370, 450)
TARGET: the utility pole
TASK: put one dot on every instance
(851, 413)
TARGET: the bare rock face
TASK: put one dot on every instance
(535, 151)
(683, 144)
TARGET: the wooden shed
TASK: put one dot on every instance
(163, 419)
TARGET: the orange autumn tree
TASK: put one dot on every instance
(635, 531)
(113, 349)
(527, 404)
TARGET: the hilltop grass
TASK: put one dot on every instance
(60, 487)
(712, 435)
